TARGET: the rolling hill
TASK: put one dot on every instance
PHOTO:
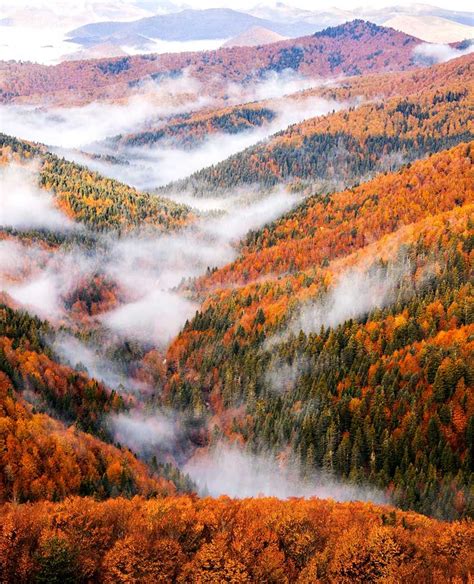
(347, 145)
(350, 49)
(48, 459)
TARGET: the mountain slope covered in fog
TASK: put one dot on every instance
(348, 145)
(345, 331)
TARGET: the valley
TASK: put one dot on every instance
(237, 313)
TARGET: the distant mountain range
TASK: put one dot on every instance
(281, 12)
(188, 25)
(427, 22)
(433, 29)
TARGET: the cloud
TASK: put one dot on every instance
(83, 133)
(355, 294)
(155, 319)
(160, 164)
(78, 127)
(430, 54)
(159, 46)
(144, 432)
(229, 470)
(239, 221)
(282, 376)
(79, 355)
(149, 269)
(23, 205)
(17, 260)
(40, 296)
(43, 278)
(272, 85)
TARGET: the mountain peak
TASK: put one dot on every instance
(355, 29)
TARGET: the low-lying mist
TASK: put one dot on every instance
(81, 133)
(24, 204)
(77, 127)
(229, 470)
(159, 164)
(146, 269)
(428, 54)
(354, 293)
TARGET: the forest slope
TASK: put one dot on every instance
(98, 202)
(385, 398)
(340, 148)
(189, 130)
(42, 458)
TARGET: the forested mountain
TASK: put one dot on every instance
(340, 148)
(99, 203)
(379, 394)
(350, 49)
(191, 129)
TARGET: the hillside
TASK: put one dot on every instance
(377, 390)
(46, 459)
(340, 148)
(351, 49)
(456, 71)
(191, 129)
(93, 200)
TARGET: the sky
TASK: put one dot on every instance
(130, 6)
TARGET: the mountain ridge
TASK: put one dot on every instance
(350, 49)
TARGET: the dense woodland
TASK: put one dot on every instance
(339, 342)
(42, 459)
(341, 148)
(387, 399)
(99, 203)
(189, 131)
(184, 539)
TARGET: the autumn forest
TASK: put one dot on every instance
(237, 314)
